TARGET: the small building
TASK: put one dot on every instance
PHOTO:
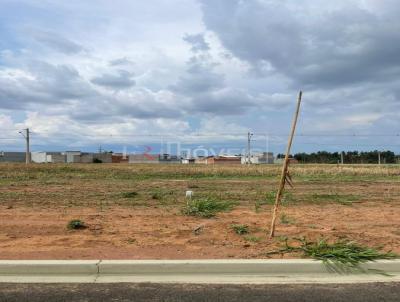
(188, 161)
(48, 157)
(258, 159)
(12, 157)
(202, 160)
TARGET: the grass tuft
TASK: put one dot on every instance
(206, 207)
(344, 199)
(341, 256)
(130, 194)
(253, 239)
(76, 224)
(240, 229)
(286, 219)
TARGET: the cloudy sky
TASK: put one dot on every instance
(128, 72)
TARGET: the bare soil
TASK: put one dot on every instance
(34, 212)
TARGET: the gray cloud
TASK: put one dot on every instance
(197, 41)
(207, 90)
(121, 62)
(223, 102)
(57, 42)
(121, 80)
(45, 83)
(314, 48)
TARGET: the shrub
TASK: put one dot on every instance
(76, 224)
(206, 207)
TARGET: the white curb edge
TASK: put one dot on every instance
(189, 271)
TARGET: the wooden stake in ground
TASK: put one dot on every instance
(285, 173)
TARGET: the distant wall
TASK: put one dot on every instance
(12, 157)
(57, 158)
(144, 159)
(39, 157)
(70, 156)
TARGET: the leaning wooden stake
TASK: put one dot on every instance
(285, 175)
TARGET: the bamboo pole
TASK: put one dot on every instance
(285, 168)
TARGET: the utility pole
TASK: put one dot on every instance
(249, 135)
(379, 157)
(28, 152)
(342, 157)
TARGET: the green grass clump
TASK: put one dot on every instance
(344, 199)
(253, 239)
(132, 194)
(286, 219)
(240, 229)
(341, 256)
(271, 196)
(206, 207)
(76, 224)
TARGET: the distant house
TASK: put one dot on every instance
(219, 160)
(12, 157)
(187, 161)
(48, 157)
(263, 158)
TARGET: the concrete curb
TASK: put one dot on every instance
(188, 271)
(49, 267)
(175, 267)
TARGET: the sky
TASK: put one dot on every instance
(124, 74)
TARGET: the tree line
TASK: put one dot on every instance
(349, 157)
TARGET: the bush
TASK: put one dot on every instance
(76, 224)
(97, 161)
(206, 207)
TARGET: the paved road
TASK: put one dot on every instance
(376, 292)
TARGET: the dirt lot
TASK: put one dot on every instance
(135, 211)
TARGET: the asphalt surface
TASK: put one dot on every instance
(374, 292)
